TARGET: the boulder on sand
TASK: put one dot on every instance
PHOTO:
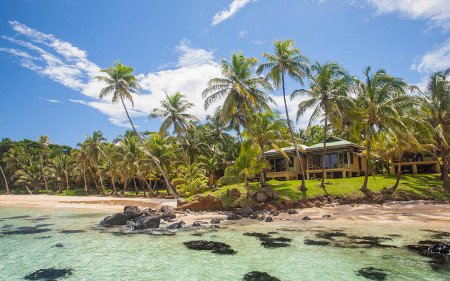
(168, 212)
(261, 197)
(234, 194)
(131, 212)
(113, 220)
(147, 222)
(245, 212)
(215, 221)
(233, 216)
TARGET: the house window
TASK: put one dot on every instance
(331, 161)
(278, 165)
(291, 163)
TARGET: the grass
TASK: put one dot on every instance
(423, 186)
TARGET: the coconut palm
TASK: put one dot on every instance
(94, 146)
(173, 110)
(82, 165)
(328, 95)
(242, 92)
(4, 178)
(435, 104)
(121, 84)
(246, 166)
(378, 99)
(268, 131)
(286, 60)
(60, 169)
(29, 175)
(43, 142)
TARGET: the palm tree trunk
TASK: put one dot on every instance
(262, 174)
(125, 186)
(156, 160)
(67, 180)
(135, 187)
(150, 191)
(445, 167)
(303, 186)
(4, 178)
(29, 191)
(113, 186)
(324, 150)
(102, 187)
(399, 172)
(43, 173)
(366, 170)
(85, 181)
(95, 181)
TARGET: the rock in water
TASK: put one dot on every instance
(372, 273)
(49, 274)
(116, 219)
(176, 225)
(269, 219)
(131, 212)
(306, 218)
(215, 221)
(214, 247)
(147, 222)
(316, 242)
(233, 216)
(259, 276)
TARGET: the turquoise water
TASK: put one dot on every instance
(94, 255)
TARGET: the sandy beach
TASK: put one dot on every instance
(412, 214)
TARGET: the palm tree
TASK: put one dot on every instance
(240, 88)
(121, 84)
(60, 169)
(246, 166)
(130, 153)
(4, 178)
(286, 60)
(328, 96)
(435, 104)
(43, 142)
(94, 147)
(377, 100)
(82, 165)
(173, 110)
(268, 130)
(28, 175)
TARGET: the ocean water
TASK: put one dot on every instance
(97, 255)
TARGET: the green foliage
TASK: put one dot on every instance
(190, 179)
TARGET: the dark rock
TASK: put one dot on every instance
(330, 234)
(245, 212)
(168, 212)
(438, 253)
(196, 224)
(292, 211)
(275, 213)
(215, 221)
(147, 222)
(316, 242)
(234, 194)
(372, 273)
(261, 218)
(116, 219)
(9, 226)
(44, 237)
(214, 247)
(69, 231)
(259, 276)
(306, 218)
(257, 235)
(131, 212)
(233, 216)
(49, 274)
(59, 245)
(176, 225)
(269, 243)
(253, 216)
(26, 230)
(261, 197)
(269, 219)
(44, 224)
(16, 217)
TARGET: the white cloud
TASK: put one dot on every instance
(434, 60)
(68, 65)
(234, 7)
(437, 12)
(53, 101)
(242, 34)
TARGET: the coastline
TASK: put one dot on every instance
(410, 213)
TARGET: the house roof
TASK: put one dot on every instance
(332, 142)
(286, 149)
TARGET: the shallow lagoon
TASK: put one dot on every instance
(96, 255)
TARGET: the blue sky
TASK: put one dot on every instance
(51, 50)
